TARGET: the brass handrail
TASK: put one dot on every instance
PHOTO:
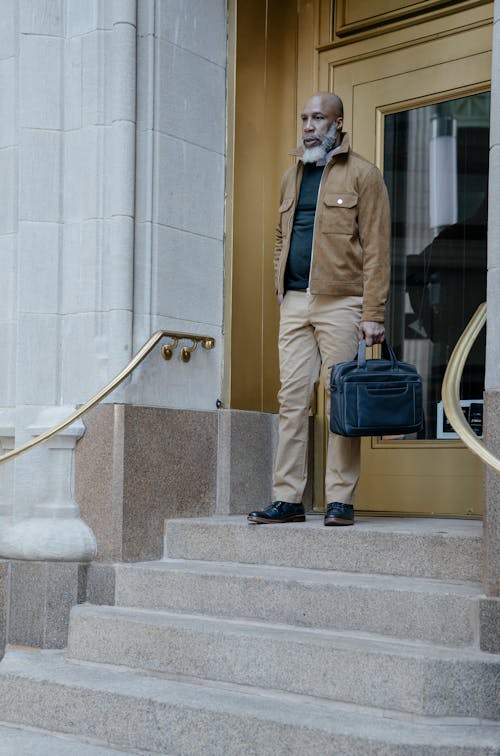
(207, 342)
(451, 389)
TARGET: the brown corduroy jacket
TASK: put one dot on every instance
(351, 239)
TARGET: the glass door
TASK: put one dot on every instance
(435, 162)
(436, 170)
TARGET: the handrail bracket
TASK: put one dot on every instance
(167, 350)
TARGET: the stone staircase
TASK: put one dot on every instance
(264, 640)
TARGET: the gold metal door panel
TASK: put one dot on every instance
(373, 99)
(420, 481)
(453, 38)
(383, 78)
(352, 16)
(270, 41)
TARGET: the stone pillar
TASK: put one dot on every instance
(490, 614)
(57, 156)
(67, 244)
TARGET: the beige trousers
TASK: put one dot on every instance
(316, 331)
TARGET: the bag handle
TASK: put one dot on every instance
(385, 347)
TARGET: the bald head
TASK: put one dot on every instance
(328, 102)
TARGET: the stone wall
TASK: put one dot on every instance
(139, 466)
(180, 181)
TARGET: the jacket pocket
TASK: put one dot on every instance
(340, 213)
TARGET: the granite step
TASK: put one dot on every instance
(443, 549)
(191, 718)
(349, 667)
(399, 607)
(18, 741)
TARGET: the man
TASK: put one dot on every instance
(332, 278)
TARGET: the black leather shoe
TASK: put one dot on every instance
(339, 514)
(279, 512)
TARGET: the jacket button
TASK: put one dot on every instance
(340, 201)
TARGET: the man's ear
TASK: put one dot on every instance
(340, 123)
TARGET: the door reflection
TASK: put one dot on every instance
(436, 170)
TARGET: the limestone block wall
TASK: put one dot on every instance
(74, 96)
(144, 163)
(9, 168)
(180, 180)
(112, 150)
(9, 202)
(140, 89)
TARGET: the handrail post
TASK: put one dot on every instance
(47, 525)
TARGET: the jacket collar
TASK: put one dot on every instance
(342, 149)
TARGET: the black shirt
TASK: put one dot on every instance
(299, 256)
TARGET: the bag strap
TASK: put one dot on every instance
(385, 347)
(362, 355)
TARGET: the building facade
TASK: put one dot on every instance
(142, 143)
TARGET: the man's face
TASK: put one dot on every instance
(318, 118)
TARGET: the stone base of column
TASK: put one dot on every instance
(39, 538)
(4, 583)
(137, 466)
(41, 597)
(491, 520)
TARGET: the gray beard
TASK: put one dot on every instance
(313, 154)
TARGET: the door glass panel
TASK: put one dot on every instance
(436, 170)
